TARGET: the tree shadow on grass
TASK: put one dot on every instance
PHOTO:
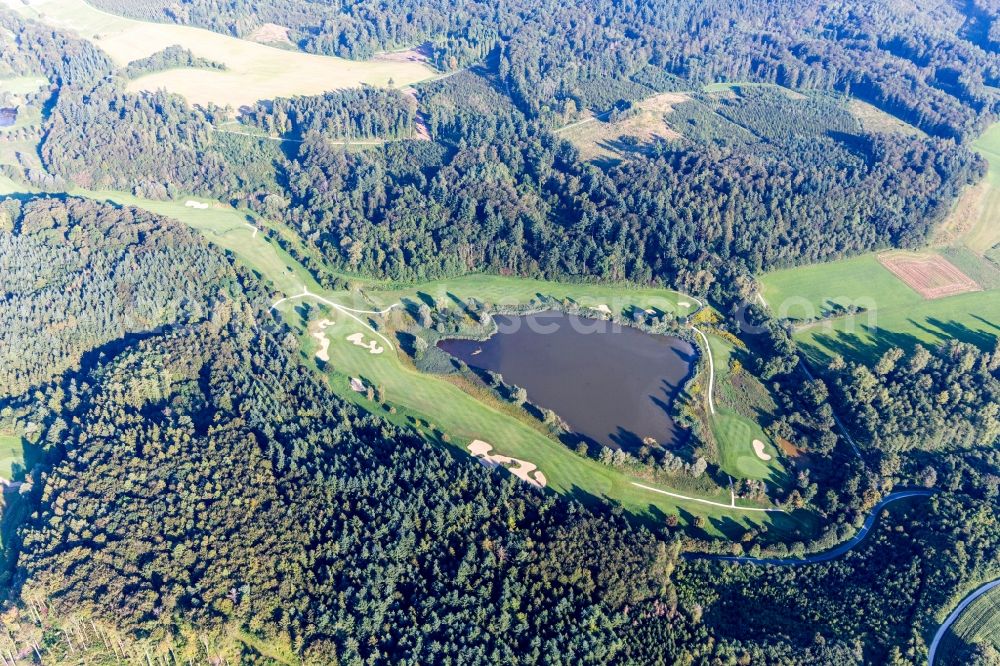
(958, 331)
(986, 321)
(728, 527)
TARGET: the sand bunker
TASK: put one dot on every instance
(522, 469)
(683, 305)
(358, 339)
(324, 342)
(758, 448)
(195, 204)
(357, 385)
(601, 307)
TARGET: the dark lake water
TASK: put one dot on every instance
(612, 384)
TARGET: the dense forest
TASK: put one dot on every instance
(169, 58)
(203, 482)
(939, 399)
(785, 181)
(76, 277)
(200, 495)
(935, 66)
(368, 113)
(205, 479)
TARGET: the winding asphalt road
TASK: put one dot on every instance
(980, 591)
(825, 556)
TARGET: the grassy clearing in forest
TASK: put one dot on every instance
(984, 232)
(601, 139)
(874, 119)
(254, 71)
(11, 456)
(22, 85)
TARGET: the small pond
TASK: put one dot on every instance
(613, 384)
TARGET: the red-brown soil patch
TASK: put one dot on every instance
(788, 448)
(930, 275)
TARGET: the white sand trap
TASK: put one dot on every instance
(357, 385)
(683, 305)
(324, 342)
(190, 203)
(601, 307)
(649, 311)
(358, 339)
(758, 448)
(522, 469)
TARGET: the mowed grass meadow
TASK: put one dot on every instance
(984, 235)
(895, 314)
(11, 456)
(254, 71)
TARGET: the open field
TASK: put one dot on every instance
(975, 220)
(255, 71)
(984, 233)
(22, 85)
(811, 291)
(930, 275)
(894, 315)
(11, 456)
(874, 119)
(979, 622)
(597, 138)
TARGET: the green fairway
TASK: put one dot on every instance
(894, 315)
(733, 432)
(228, 228)
(440, 407)
(423, 400)
(735, 435)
